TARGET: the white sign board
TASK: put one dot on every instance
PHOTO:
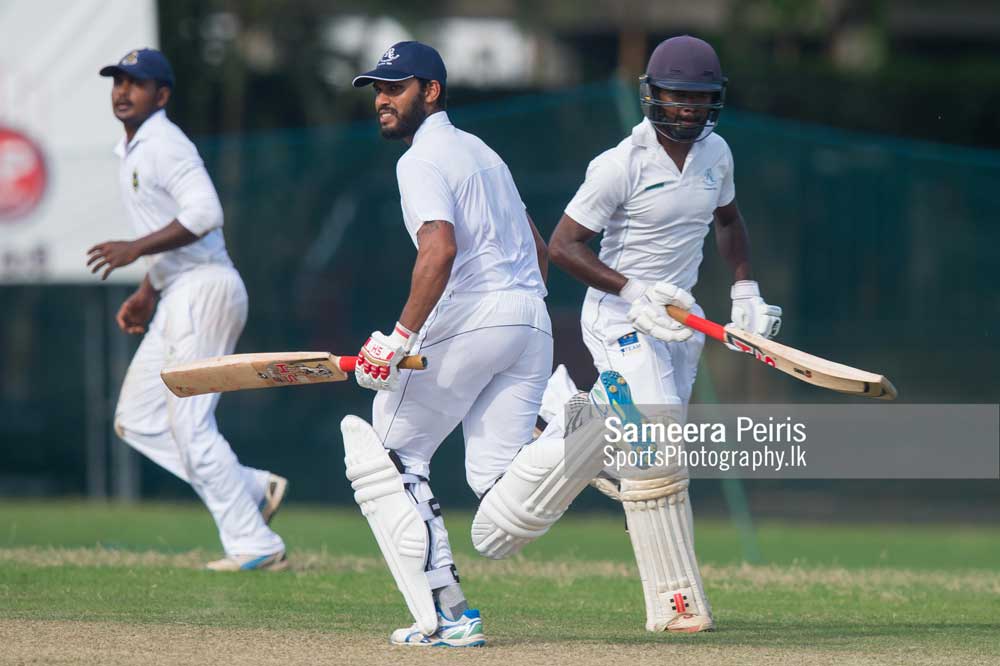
(58, 177)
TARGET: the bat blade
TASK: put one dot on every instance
(238, 372)
(804, 367)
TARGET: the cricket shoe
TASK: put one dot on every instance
(274, 562)
(274, 493)
(466, 631)
(690, 623)
(616, 396)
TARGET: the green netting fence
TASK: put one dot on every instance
(883, 253)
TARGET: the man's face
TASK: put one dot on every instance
(685, 115)
(135, 100)
(400, 107)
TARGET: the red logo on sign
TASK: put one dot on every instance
(22, 175)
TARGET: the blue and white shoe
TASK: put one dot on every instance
(466, 631)
(617, 396)
(274, 562)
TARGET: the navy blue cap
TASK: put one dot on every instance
(144, 64)
(406, 60)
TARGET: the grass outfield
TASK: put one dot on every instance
(86, 583)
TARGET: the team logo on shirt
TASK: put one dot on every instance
(135, 180)
(629, 343)
(388, 57)
(709, 179)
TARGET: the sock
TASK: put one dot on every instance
(451, 601)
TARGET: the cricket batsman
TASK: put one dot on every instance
(654, 197)
(200, 306)
(476, 310)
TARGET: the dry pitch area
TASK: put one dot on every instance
(114, 585)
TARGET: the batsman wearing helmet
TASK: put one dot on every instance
(654, 197)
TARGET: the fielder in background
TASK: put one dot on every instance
(654, 197)
(200, 307)
(476, 310)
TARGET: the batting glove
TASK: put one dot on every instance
(649, 312)
(377, 367)
(751, 313)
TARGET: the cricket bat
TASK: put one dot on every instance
(798, 364)
(238, 372)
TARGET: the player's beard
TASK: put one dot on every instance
(409, 121)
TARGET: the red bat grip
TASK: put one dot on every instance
(709, 328)
(347, 363)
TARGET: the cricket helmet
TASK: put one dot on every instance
(686, 64)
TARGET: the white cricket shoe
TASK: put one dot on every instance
(274, 493)
(274, 562)
(690, 623)
(466, 631)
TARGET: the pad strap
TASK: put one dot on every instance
(442, 577)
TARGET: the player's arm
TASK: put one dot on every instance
(750, 312)
(569, 250)
(733, 240)
(110, 255)
(379, 358)
(436, 250)
(180, 171)
(137, 310)
(540, 250)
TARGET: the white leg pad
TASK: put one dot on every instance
(399, 529)
(538, 487)
(660, 526)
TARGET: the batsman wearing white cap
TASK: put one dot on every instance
(654, 197)
(476, 311)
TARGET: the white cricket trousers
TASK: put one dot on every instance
(200, 315)
(489, 356)
(657, 372)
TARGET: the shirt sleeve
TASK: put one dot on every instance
(728, 190)
(424, 192)
(603, 191)
(182, 174)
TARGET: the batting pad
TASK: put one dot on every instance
(399, 529)
(660, 526)
(542, 481)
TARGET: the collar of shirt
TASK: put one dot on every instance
(431, 123)
(644, 135)
(148, 127)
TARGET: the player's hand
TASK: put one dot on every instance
(136, 312)
(751, 313)
(111, 255)
(378, 361)
(648, 312)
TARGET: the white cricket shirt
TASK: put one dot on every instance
(163, 178)
(451, 175)
(654, 217)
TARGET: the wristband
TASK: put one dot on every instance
(633, 290)
(403, 337)
(744, 289)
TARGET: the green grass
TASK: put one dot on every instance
(929, 592)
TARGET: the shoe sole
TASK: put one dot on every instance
(620, 397)
(280, 565)
(273, 503)
(479, 642)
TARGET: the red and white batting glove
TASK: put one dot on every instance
(377, 368)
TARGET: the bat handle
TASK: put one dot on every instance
(347, 363)
(709, 328)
